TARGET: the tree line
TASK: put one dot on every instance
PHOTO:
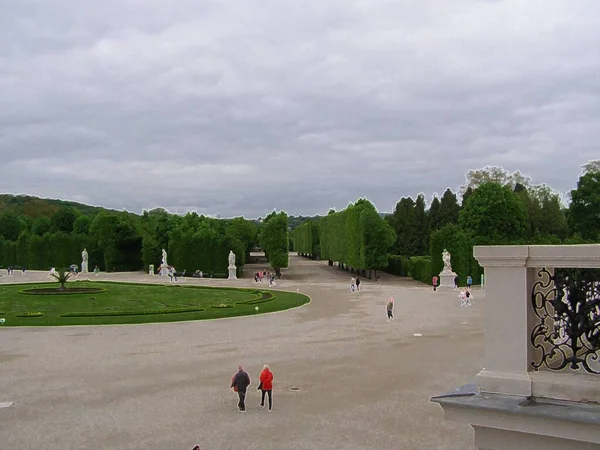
(497, 208)
(55, 236)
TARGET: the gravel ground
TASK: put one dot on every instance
(364, 382)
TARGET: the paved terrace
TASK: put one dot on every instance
(364, 382)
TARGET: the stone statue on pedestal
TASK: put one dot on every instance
(446, 258)
(232, 268)
(163, 267)
(84, 261)
(447, 276)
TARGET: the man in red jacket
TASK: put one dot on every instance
(266, 386)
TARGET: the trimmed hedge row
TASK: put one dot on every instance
(29, 314)
(57, 292)
(132, 313)
(420, 268)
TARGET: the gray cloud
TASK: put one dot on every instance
(238, 107)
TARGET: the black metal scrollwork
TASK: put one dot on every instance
(567, 304)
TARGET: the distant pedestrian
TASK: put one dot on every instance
(357, 284)
(390, 308)
(266, 386)
(469, 281)
(352, 284)
(434, 282)
(456, 282)
(240, 383)
(465, 298)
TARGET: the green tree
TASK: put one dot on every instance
(494, 215)
(274, 240)
(449, 208)
(405, 225)
(584, 211)
(422, 227)
(433, 215)
(494, 174)
(378, 239)
(63, 219)
(10, 226)
(40, 225)
(82, 225)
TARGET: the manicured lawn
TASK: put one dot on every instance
(123, 303)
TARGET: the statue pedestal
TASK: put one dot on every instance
(84, 267)
(163, 271)
(232, 273)
(446, 280)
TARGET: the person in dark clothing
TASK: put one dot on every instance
(240, 383)
(357, 284)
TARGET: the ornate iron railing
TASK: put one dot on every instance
(567, 306)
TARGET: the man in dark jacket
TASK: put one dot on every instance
(240, 383)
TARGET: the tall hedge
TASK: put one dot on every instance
(357, 237)
(274, 240)
(419, 268)
(204, 244)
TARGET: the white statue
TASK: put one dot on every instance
(164, 266)
(84, 261)
(446, 257)
(232, 268)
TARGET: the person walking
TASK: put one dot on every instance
(434, 282)
(352, 284)
(390, 308)
(266, 386)
(357, 284)
(240, 383)
(469, 281)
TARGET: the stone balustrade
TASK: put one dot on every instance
(540, 385)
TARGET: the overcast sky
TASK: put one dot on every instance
(238, 107)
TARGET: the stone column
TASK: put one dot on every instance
(507, 312)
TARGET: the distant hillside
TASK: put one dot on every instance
(294, 222)
(32, 207)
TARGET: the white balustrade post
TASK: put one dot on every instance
(507, 312)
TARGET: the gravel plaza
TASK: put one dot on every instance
(345, 377)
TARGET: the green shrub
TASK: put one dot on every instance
(420, 268)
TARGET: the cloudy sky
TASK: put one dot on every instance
(238, 107)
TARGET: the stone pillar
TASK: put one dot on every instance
(507, 309)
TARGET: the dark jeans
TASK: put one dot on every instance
(262, 401)
(390, 314)
(241, 403)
